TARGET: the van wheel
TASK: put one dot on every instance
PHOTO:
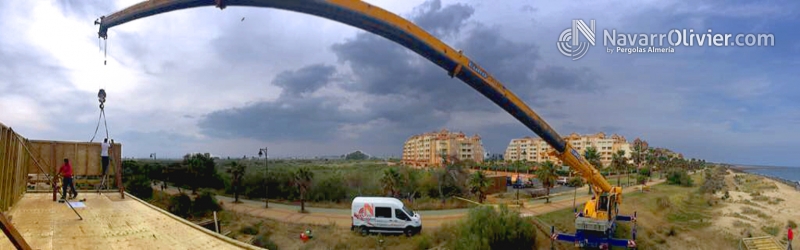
(408, 232)
(363, 230)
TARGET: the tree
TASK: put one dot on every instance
(593, 157)
(203, 171)
(479, 184)
(391, 181)
(639, 150)
(547, 175)
(409, 182)
(357, 155)
(618, 162)
(302, 180)
(237, 172)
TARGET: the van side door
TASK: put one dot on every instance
(383, 216)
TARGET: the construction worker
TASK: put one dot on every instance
(66, 173)
(104, 155)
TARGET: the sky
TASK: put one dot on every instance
(231, 81)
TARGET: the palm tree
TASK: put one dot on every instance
(618, 162)
(302, 179)
(639, 150)
(391, 181)
(478, 184)
(547, 175)
(593, 157)
(237, 172)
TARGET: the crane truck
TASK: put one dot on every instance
(596, 223)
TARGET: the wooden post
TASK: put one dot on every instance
(53, 160)
(118, 171)
(12, 234)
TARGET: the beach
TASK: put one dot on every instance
(758, 205)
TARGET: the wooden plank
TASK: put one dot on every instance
(8, 167)
(12, 233)
(3, 166)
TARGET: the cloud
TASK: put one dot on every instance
(204, 80)
(400, 92)
(304, 80)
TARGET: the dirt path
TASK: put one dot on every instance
(341, 217)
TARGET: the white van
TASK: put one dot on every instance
(384, 215)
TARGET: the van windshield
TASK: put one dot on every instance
(408, 211)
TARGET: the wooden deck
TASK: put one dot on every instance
(760, 243)
(109, 222)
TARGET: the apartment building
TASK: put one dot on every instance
(426, 149)
(536, 150)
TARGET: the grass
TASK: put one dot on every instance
(771, 230)
(756, 212)
(741, 224)
(753, 184)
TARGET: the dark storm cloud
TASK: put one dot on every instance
(290, 119)
(291, 116)
(442, 22)
(580, 79)
(405, 94)
(304, 80)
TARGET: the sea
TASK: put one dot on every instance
(786, 173)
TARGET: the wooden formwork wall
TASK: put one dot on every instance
(13, 168)
(84, 157)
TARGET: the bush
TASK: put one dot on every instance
(575, 182)
(139, 186)
(679, 177)
(180, 205)
(486, 228)
(205, 203)
(251, 230)
(772, 230)
(264, 242)
(792, 224)
(424, 242)
(642, 179)
(328, 189)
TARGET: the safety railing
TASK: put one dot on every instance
(13, 167)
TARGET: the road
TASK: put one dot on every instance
(431, 219)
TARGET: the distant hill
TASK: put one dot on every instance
(357, 155)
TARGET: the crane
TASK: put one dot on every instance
(596, 223)
(599, 218)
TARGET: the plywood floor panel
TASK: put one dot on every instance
(108, 223)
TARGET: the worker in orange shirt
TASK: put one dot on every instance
(66, 172)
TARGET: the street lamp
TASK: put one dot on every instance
(263, 151)
(153, 155)
(524, 159)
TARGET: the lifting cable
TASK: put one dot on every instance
(101, 97)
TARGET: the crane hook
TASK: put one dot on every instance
(101, 97)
